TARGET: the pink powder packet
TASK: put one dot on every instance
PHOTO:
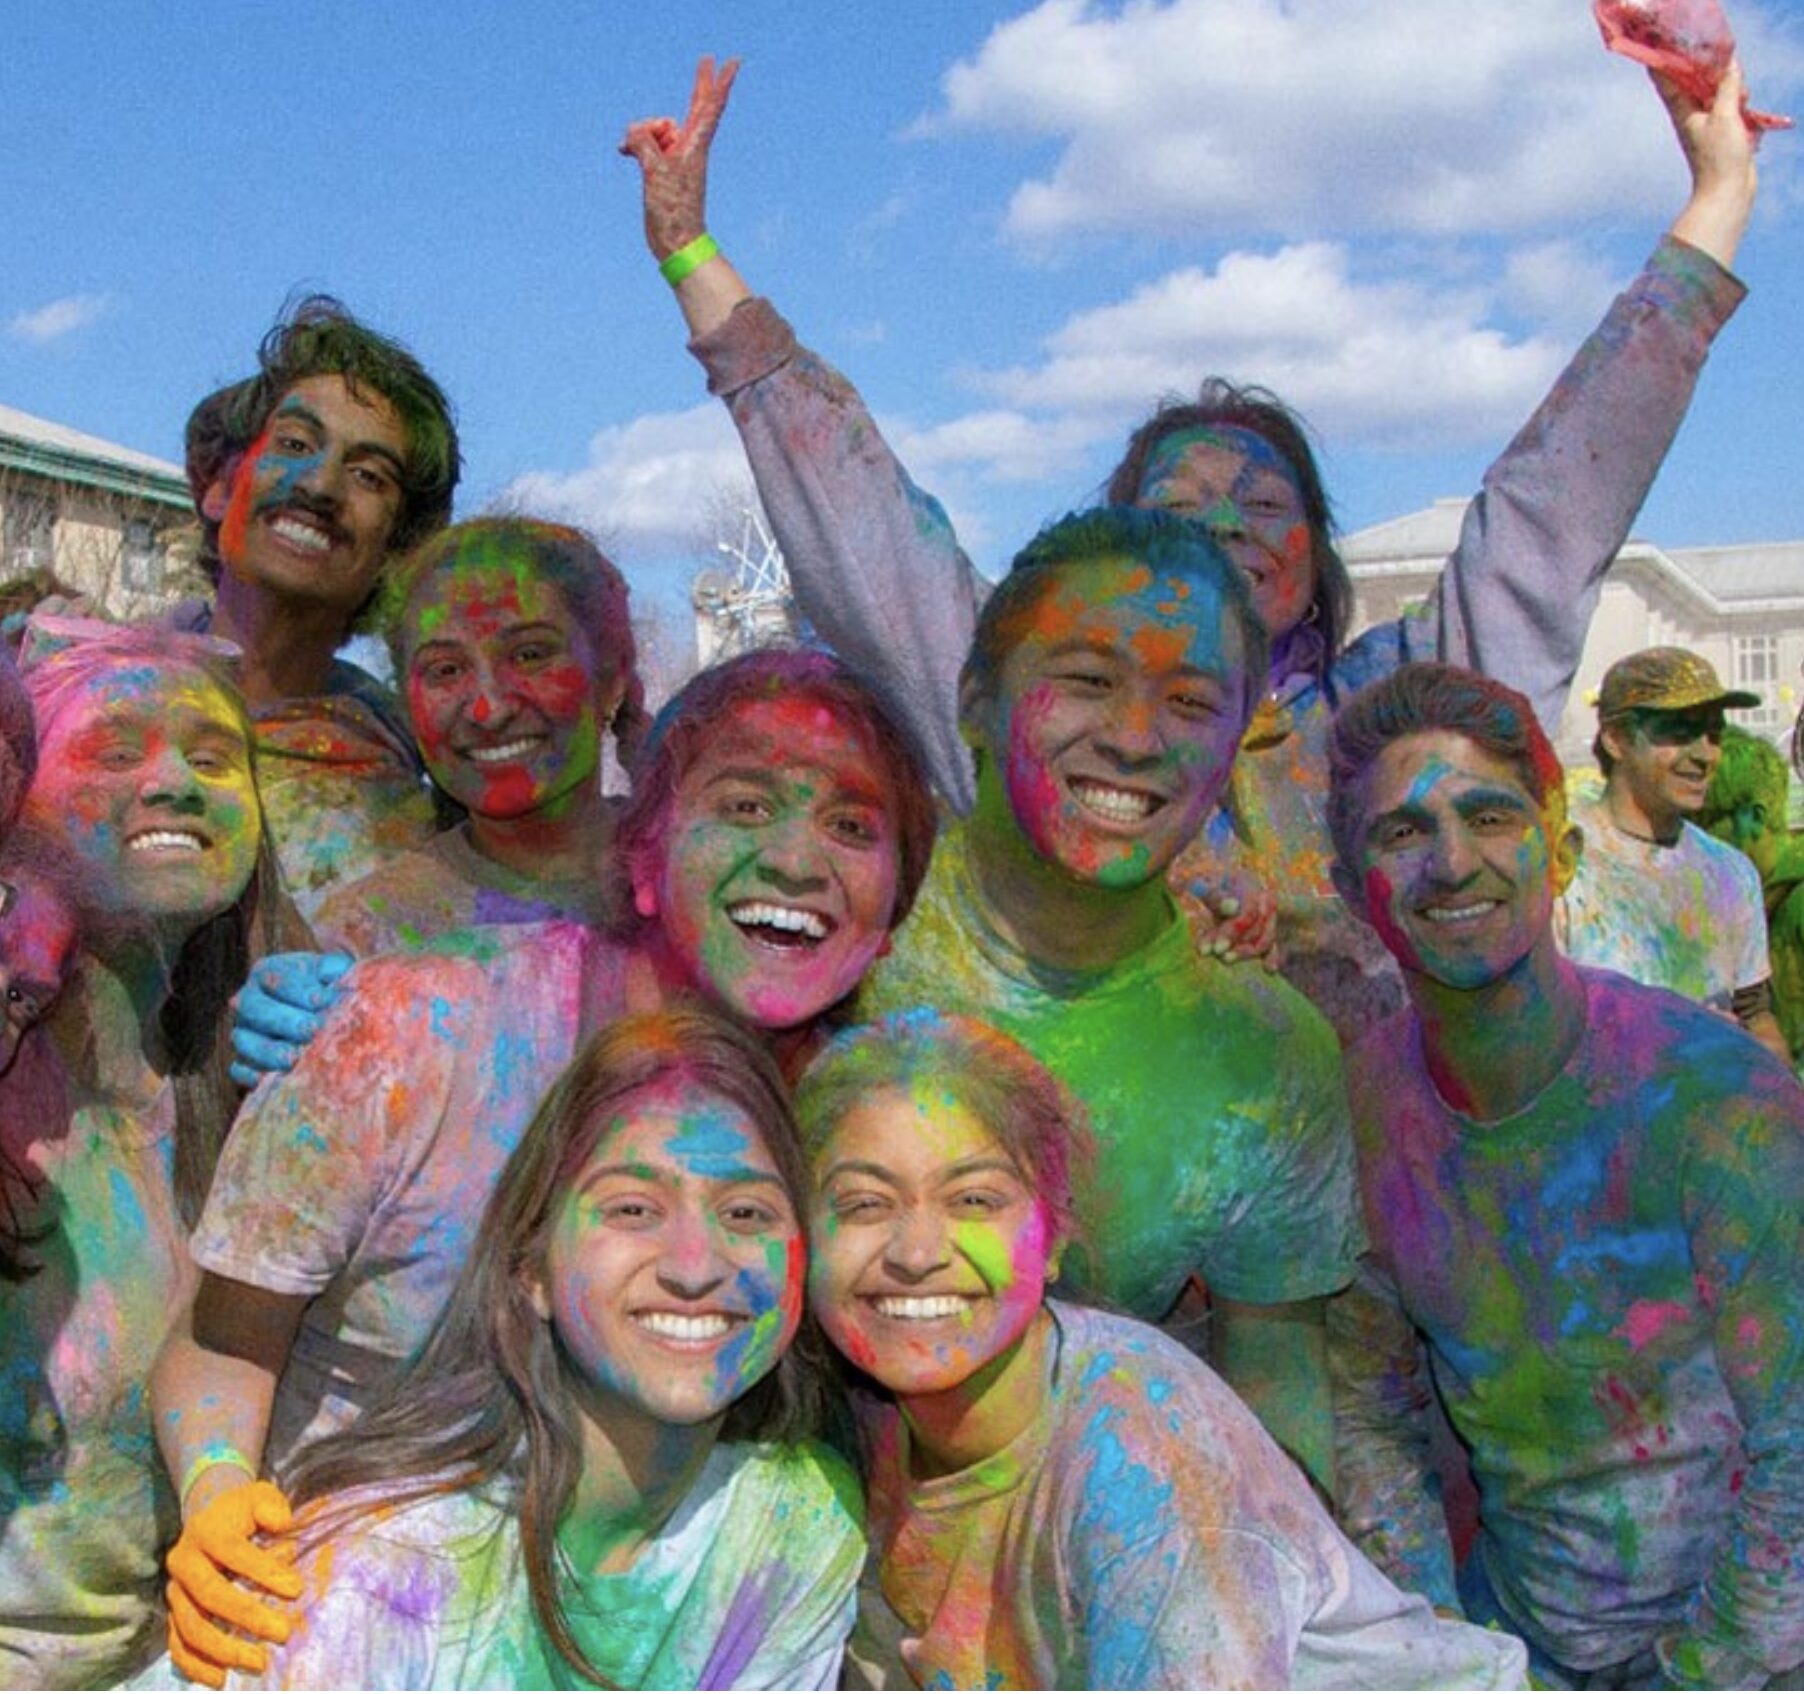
(1686, 41)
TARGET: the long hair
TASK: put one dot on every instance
(1226, 405)
(693, 716)
(488, 1400)
(189, 1036)
(590, 583)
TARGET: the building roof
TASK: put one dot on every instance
(1746, 577)
(67, 455)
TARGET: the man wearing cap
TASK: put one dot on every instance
(1655, 897)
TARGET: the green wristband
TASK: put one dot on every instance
(214, 1453)
(688, 259)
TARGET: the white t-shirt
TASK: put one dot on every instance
(1144, 1532)
(359, 1178)
(1688, 917)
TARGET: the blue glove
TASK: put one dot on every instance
(280, 1009)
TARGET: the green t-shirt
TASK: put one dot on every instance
(1214, 1091)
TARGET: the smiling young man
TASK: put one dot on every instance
(1583, 1197)
(1655, 897)
(1111, 676)
(307, 478)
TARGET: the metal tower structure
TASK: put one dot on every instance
(749, 605)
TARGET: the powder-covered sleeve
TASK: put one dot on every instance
(1385, 1481)
(1517, 596)
(1199, 1558)
(314, 1150)
(803, 1588)
(1296, 1231)
(1743, 1187)
(873, 560)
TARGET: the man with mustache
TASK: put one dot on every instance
(1655, 897)
(307, 477)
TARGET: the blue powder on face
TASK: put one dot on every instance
(712, 1144)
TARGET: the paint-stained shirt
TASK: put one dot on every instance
(86, 1509)
(1143, 1532)
(1609, 1287)
(1215, 1093)
(1689, 917)
(358, 1179)
(878, 572)
(751, 1583)
(414, 899)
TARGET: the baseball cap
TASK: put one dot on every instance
(1665, 679)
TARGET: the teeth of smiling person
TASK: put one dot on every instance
(679, 1326)
(161, 839)
(1118, 805)
(507, 750)
(792, 920)
(921, 1307)
(302, 535)
(1459, 914)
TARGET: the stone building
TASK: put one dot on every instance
(86, 516)
(1742, 607)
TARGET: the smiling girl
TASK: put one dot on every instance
(779, 831)
(600, 1467)
(1058, 1498)
(514, 648)
(112, 1118)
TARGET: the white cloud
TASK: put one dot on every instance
(651, 484)
(1386, 363)
(59, 318)
(1304, 117)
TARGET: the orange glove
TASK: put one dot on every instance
(220, 1542)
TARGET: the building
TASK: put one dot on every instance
(1741, 607)
(85, 516)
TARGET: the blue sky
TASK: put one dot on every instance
(1012, 225)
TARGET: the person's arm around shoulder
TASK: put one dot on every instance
(211, 1391)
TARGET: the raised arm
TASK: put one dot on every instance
(1518, 595)
(873, 560)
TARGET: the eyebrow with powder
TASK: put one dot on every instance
(357, 449)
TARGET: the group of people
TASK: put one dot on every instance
(873, 1206)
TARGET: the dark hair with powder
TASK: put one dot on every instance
(1220, 404)
(591, 585)
(694, 715)
(317, 336)
(490, 1397)
(1005, 1088)
(1420, 699)
(1161, 541)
